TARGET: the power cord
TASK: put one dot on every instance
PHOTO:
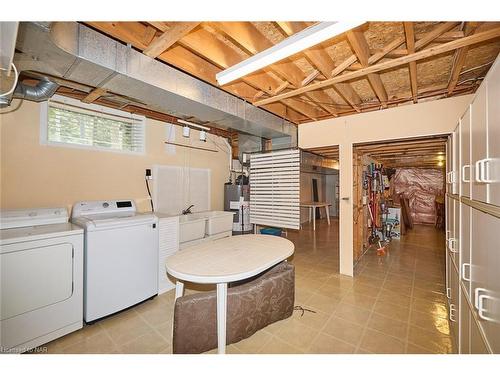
(150, 197)
(303, 310)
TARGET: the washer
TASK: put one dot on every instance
(41, 289)
(121, 256)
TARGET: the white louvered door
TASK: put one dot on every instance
(275, 189)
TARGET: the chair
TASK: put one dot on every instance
(251, 305)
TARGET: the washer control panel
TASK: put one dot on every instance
(86, 208)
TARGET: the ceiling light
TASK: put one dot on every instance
(203, 135)
(185, 131)
(440, 163)
(192, 124)
(298, 42)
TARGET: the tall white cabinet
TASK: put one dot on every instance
(473, 222)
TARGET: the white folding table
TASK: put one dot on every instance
(223, 261)
(312, 210)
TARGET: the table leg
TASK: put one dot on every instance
(314, 219)
(221, 317)
(327, 215)
(179, 289)
(310, 214)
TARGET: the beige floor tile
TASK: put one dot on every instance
(392, 311)
(388, 326)
(387, 296)
(352, 313)
(316, 320)
(359, 300)
(156, 315)
(277, 326)
(430, 321)
(278, 346)
(430, 307)
(377, 342)
(165, 330)
(321, 303)
(414, 349)
(344, 330)
(96, 344)
(61, 343)
(150, 343)
(369, 290)
(123, 329)
(297, 334)
(253, 343)
(325, 344)
(435, 342)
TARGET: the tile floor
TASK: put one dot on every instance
(394, 304)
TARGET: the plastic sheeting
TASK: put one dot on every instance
(421, 187)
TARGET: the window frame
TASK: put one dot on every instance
(106, 111)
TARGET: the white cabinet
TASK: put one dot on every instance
(485, 275)
(454, 304)
(465, 318)
(493, 108)
(452, 163)
(479, 131)
(465, 170)
(168, 245)
(465, 246)
(452, 229)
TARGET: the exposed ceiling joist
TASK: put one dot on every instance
(94, 95)
(169, 38)
(385, 65)
(410, 47)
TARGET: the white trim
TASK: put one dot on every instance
(86, 107)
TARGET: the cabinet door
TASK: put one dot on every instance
(465, 171)
(454, 312)
(464, 342)
(478, 143)
(465, 247)
(485, 275)
(449, 164)
(476, 342)
(493, 165)
(455, 176)
(452, 245)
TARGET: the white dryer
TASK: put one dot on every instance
(121, 256)
(41, 282)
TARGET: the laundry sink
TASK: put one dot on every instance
(191, 228)
(216, 221)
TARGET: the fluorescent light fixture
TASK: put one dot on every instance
(185, 131)
(298, 42)
(440, 163)
(187, 123)
(203, 135)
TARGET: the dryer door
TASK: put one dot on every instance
(34, 276)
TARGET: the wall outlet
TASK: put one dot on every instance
(149, 176)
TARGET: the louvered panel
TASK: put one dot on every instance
(275, 189)
(168, 233)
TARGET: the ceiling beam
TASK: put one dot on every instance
(423, 54)
(320, 60)
(169, 38)
(248, 37)
(434, 33)
(410, 47)
(94, 95)
(459, 58)
(361, 49)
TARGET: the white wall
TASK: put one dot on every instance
(408, 121)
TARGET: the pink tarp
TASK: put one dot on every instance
(421, 187)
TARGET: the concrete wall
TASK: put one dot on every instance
(408, 121)
(37, 175)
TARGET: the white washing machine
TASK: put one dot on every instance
(41, 267)
(121, 256)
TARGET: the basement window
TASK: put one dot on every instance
(69, 122)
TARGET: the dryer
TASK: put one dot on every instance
(41, 282)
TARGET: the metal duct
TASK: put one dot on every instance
(39, 93)
(77, 53)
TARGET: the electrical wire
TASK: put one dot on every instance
(15, 81)
(150, 197)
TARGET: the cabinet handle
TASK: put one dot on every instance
(485, 170)
(451, 245)
(476, 296)
(452, 310)
(463, 271)
(481, 310)
(448, 293)
(478, 173)
(464, 167)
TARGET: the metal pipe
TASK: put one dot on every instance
(41, 92)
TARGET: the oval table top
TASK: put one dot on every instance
(229, 259)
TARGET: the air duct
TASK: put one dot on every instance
(39, 93)
(76, 53)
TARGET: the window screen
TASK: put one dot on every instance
(72, 125)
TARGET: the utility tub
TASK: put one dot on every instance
(191, 228)
(216, 221)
